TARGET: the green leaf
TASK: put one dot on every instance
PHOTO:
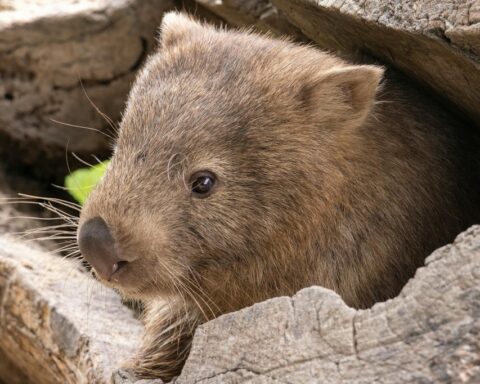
(82, 181)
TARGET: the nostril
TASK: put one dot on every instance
(98, 247)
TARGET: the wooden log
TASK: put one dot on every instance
(54, 57)
(58, 325)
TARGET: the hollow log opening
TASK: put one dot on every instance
(62, 64)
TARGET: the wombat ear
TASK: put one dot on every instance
(176, 26)
(346, 94)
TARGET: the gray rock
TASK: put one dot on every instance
(46, 48)
(58, 325)
(436, 42)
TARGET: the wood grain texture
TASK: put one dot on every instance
(430, 333)
(58, 325)
(48, 51)
(435, 42)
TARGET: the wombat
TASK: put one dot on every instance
(248, 167)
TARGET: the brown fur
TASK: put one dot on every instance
(320, 181)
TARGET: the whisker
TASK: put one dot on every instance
(82, 127)
(61, 187)
(192, 296)
(66, 203)
(200, 295)
(71, 248)
(81, 160)
(68, 165)
(104, 115)
(71, 254)
(54, 229)
(40, 231)
(49, 229)
(54, 237)
(97, 159)
(39, 218)
(39, 237)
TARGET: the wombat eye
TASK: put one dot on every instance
(202, 183)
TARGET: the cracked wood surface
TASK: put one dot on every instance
(435, 42)
(46, 48)
(58, 325)
(430, 333)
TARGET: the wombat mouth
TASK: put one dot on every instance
(117, 269)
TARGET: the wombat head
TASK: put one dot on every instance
(225, 156)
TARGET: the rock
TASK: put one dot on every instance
(430, 333)
(58, 325)
(46, 49)
(435, 42)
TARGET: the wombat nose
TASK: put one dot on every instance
(98, 247)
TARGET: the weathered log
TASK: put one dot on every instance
(46, 49)
(430, 333)
(261, 14)
(435, 42)
(57, 325)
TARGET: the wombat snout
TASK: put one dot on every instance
(98, 247)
